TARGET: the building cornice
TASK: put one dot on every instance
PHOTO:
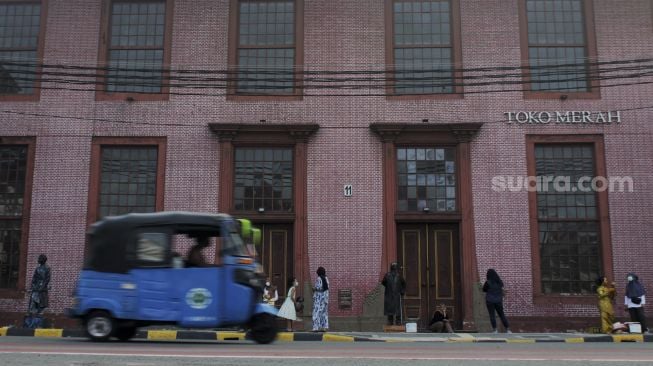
(461, 132)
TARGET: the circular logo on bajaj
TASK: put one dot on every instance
(199, 298)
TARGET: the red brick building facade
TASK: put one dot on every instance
(354, 133)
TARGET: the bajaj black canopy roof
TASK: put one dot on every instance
(112, 240)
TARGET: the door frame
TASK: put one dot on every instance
(296, 136)
(459, 135)
(282, 290)
(426, 229)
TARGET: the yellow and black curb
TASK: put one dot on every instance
(171, 335)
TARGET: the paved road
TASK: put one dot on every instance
(28, 351)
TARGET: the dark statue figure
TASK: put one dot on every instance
(38, 300)
(395, 287)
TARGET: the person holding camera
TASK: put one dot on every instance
(635, 300)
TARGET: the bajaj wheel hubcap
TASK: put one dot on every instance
(99, 327)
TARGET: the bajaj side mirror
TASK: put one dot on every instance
(245, 228)
(256, 236)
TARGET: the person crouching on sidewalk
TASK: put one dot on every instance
(440, 322)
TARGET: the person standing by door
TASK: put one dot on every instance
(287, 310)
(395, 287)
(321, 302)
(635, 300)
(493, 288)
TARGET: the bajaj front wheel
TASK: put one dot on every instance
(263, 328)
(99, 326)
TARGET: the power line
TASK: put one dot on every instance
(385, 94)
(304, 84)
(449, 80)
(156, 75)
(302, 69)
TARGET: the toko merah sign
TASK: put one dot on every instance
(567, 117)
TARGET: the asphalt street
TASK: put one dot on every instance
(31, 351)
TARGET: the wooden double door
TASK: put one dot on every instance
(429, 256)
(277, 255)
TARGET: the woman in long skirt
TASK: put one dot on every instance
(321, 302)
(606, 292)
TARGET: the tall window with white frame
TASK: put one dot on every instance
(568, 221)
(557, 46)
(422, 47)
(266, 47)
(13, 170)
(20, 27)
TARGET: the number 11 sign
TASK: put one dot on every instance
(348, 190)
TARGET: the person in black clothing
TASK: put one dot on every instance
(440, 322)
(635, 300)
(493, 288)
(195, 256)
(40, 287)
(395, 287)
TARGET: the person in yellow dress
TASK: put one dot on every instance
(606, 293)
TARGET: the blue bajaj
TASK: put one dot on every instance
(132, 278)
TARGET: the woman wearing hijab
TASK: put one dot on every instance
(606, 292)
(493, 288)
(321, 302)
(635, 300)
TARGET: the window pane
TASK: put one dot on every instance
(13, 162)
(558, 69)
(19, 39)
(135, 71)
(426, 178)
(267, 29)
(568, 225)
(422, 23)
(136, 47)
(267, 23)
(555, 23)
(266, 70)
(263, 178)
(128, 180)
(557, 46)
(423, 71)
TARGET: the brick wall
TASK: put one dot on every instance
(344, 234)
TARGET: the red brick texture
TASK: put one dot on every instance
(344, 233)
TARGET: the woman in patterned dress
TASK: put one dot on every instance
(321, 302)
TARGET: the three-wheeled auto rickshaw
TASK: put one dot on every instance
(132, 277)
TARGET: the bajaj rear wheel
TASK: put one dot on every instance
(99, 325)
(263, 328)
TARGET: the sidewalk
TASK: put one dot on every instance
(526, 338)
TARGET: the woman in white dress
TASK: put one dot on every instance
(287, 309)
